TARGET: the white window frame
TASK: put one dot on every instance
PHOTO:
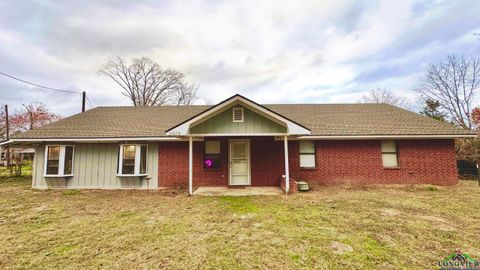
(390, 153)
(138, 149)
(233, 114)
(314, 154)
(61, 161)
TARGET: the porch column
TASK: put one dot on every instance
(190, 165)
(287, 170)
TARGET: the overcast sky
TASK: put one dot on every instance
(270, 51)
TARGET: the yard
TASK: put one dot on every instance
(336, 228)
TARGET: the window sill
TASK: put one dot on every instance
(131, 175)
(308, 168)
(57, 175)
(391, 168)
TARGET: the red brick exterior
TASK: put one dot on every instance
(351, 162)
(360, 162)
(266, 159)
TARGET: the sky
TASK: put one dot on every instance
(269, 51)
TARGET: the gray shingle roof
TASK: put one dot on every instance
(322, 119)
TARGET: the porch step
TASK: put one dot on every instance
(247, 191)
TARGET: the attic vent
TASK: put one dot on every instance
(238, 114)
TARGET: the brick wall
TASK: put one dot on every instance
(353, 162)
(267, 163)
(360, 162)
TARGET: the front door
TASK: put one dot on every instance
(239, 162)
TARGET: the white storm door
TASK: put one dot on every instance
(239, 162)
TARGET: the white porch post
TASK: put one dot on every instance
(190, 165)
(287, 170)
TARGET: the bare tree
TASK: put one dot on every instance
(385, 96)
(454, 82)
(146, 83)
(186, 94)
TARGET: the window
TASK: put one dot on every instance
(132, 160)
(238, 114)
(389, 154)
(3, 155)
(68, 160)
(307, 154)
(59, 160)
(211, 158)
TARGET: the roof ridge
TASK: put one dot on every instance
(323, 119)
(263, 104)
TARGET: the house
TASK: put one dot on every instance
(239, 142)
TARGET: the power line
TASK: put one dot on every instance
(38, 85)
(84, 96)
(89, 102)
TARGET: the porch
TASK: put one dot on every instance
(238, 166)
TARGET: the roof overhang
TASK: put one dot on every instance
(384, 137)
(96, 140)
(183, 129)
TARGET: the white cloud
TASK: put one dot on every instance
(270, 51)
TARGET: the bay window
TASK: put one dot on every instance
(132, 160)
(307, 154)
(59, 160)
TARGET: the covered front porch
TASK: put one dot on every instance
(240, 144)
(233, 165)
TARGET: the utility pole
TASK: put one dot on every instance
(84, 97)
(7, 130)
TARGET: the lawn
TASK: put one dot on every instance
(396, 227)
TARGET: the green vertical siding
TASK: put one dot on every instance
(95, 166)
(223, 123)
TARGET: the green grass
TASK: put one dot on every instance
(26, 170)
(394, 227)
(69, 192)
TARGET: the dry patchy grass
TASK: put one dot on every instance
(396, 227)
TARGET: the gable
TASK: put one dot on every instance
(253, 123)
(291, 127)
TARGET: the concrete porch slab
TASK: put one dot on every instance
(247, 191)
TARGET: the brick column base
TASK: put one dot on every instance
(293, 185)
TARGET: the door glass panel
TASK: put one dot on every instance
(239, 166)
(239, 179)
(239, 150)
